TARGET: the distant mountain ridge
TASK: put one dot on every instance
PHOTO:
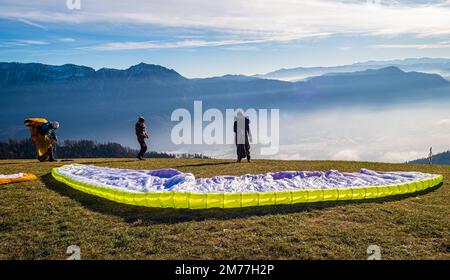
(14, 73)
(439, 66)
(441, 158)
(390, 77)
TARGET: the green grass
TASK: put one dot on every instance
(40, 219)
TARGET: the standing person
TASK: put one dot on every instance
(242, 136)
(430, 156)
(141, 134)
(44, 136)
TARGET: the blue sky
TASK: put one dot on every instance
(209, 38)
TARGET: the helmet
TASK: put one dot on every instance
(141, 118)
(54, 124)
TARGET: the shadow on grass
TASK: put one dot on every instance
(206, 164)
(146, 216)
(105, 162)
(21, 163)
(67, 160)
(178, 166)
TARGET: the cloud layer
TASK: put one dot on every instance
(243, 21)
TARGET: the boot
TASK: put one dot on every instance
(51, 156)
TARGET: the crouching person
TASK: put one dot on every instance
(44, 136)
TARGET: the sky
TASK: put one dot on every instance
(200, 38)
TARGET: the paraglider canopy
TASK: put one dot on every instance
(35, 122)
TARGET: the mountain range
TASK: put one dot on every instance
(103, 104)
(441, 158)
(439, 66)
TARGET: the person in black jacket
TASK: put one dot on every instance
(141, 134)
(242, 136)
(430, 156)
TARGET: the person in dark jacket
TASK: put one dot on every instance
(141, 134)
(48, 129)
(430, 156)
(242, 136)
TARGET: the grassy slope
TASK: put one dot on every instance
(38, 220)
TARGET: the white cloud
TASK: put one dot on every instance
(348, 154)
(67, 40)
(32, 42)
(444, 122)
(117, 46)
(281, 20)
(33, 24)
(440, 45)
(22, 43)
(403, 156)
(345, 49)
(242, 48)
(390, 134)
